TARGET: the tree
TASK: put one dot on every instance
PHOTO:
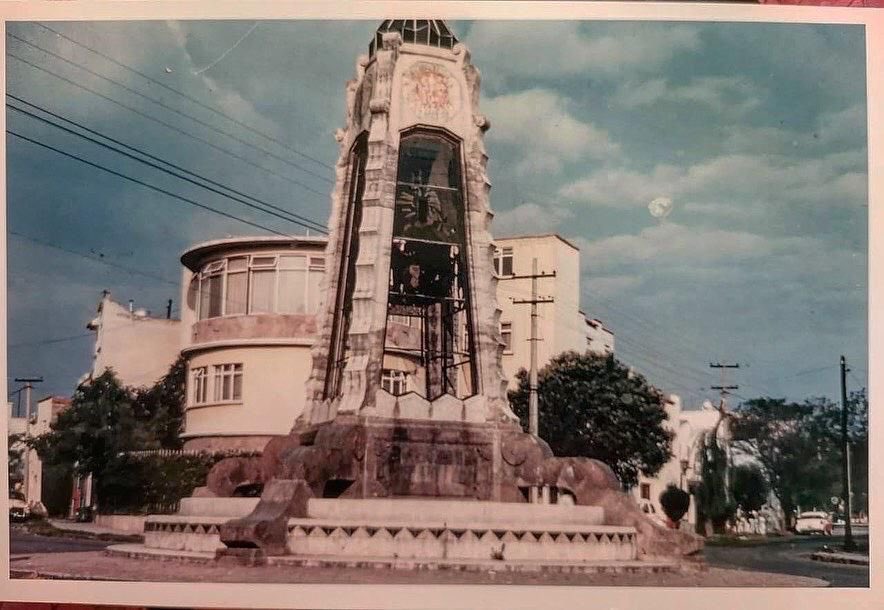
(101, 422)
(162, 405)
(15, 460)
(675, 503)
(801, 460)
(749, 488)
(593, 406)
(714, 505)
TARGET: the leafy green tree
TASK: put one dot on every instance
(162, 405)
(801, 460)
(714, 504)
(101, 423)
(749, 488)
(15, 460)
(675, 502)
(593, 406)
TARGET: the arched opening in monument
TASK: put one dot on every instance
(338, 346)
(334, 488)
(429, 345)
(248, 490)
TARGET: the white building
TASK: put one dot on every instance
(562, 326)
(138, 347)
(18, 423)
(248, 322)
(690, 428)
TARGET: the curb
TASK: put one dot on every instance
(846, 558)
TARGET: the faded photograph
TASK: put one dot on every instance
(426, 301)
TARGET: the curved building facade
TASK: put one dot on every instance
(249, 318)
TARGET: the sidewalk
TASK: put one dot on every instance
(840, 557)
(84, 528)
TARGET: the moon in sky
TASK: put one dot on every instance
(660, 207)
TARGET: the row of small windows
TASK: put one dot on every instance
(226, 384)
(239, 285)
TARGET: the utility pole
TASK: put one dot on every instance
(27, 455)
(533, 416)
(723, 389)
(845, 462)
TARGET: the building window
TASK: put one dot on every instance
(200, 376)
(228, 382)
(503, 262)
(395, 382)
(237, 294)
(645, 491)
(506, 334)
(211, 290)
(258, 284)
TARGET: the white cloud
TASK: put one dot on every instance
(723, 94)
(529, 218)
(735, 180)
(538, 122)
(552, 49)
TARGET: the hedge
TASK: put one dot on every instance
(154, 482)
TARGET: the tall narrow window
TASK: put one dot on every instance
(503, 261)
(346, 279)
(199, 384)
(292, 284)
(314, 294)
(212, 290)
(506, 334)
(263, 282)
(236, 299)
(228, 382)
(429, 277)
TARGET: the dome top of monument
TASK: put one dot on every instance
(429, 32)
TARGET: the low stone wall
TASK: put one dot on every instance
(125, 524)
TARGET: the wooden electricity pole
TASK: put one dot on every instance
(533, 415)
(845, 460)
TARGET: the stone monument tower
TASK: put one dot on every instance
(410, 289)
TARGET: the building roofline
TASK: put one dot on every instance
(537, 236)
(197, 252)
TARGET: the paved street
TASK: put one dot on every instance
(792, 557)
(21, 542)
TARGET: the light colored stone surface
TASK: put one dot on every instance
(454, 511)
(447, 408)
(412, 406)
(217, 507)
(125, 524)
(198, 567)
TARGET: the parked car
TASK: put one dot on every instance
(18, 507)
(814, 523)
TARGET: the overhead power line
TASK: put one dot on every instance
(162, 104)
(167, 125)
(93, 258)
(273, 211)
(189, 97)
(146, 184)
(50, 341)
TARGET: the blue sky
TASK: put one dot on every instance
(755, 132)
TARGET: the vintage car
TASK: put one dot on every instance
(18, 507)
(815, 522)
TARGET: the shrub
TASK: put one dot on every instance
(675, 502)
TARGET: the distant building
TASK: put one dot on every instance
(683, 469)
(562, 326)
(42, 416)
(138, 347)
(599, 338)
(249, 318)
